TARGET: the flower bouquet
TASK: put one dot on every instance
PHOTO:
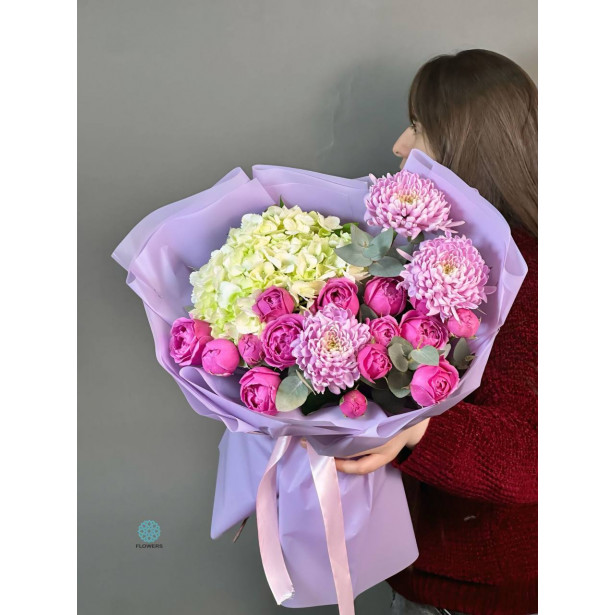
(289, 321)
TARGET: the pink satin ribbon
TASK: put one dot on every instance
(324, 474)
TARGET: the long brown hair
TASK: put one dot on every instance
(479, 113)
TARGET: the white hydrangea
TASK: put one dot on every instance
(283, 247)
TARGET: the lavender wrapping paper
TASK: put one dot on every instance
(159, 254)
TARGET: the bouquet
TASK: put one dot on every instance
(287, 321)
(282, 298)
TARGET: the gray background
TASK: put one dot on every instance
(172, 95)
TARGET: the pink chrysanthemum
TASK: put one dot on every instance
(407, 203)
(326, 349)
(447, 273)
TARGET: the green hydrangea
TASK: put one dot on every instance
(283, 247)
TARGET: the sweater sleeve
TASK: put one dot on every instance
(479, 453)
(487, 449)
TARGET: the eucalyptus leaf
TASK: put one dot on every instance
(399, 360)
(380, 244)
(444, 352)
(427, 355)
(393, 253)
(360, 238)
(372, 252)
(404, 343)
(461, 351)
(399, 383)
(366, 312)
(291, 394)
(386, 267)
(353, 255)
(294, 370)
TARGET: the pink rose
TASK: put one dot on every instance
(340, 291)
(419, 306)
(421, 330)
(383, 329)
(467, 326)
(258, 389)
(220, 357)
(353, 404)
(374, 362)
(383, 296)
(277, 337)
(433, 383)
(251, 349)
(272, 303)
(188, 338)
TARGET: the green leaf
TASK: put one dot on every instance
(396, 353)
(353, 255)
(360, 238)
(291, 394)
(346, 228)
(386, 267)
(399, 383)
(444, 352)
(427, 355)
(377, 384)
(282, 203)
(187, 308)
(404, 343)
(393, 253)
(294, 370)
(316, 401)
(380, 244)
(462, 350)
(388, 402)
(366, 312)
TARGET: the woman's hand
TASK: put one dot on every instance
(377, 457)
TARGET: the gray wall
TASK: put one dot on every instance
(172, 95)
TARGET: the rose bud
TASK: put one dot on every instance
(353, 404)
(250, 349)
(258, 389)
(384, 297)
(340, 291)
(277, 338)
(374, 362)
(188, 338)
(466, 326)
(272, 303)
(220, 357)
(421, 330)
(383, 329)
(433, 383)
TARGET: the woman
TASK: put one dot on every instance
(471, 473)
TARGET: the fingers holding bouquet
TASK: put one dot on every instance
(373, 459)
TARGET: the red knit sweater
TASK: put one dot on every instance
(472, 480)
